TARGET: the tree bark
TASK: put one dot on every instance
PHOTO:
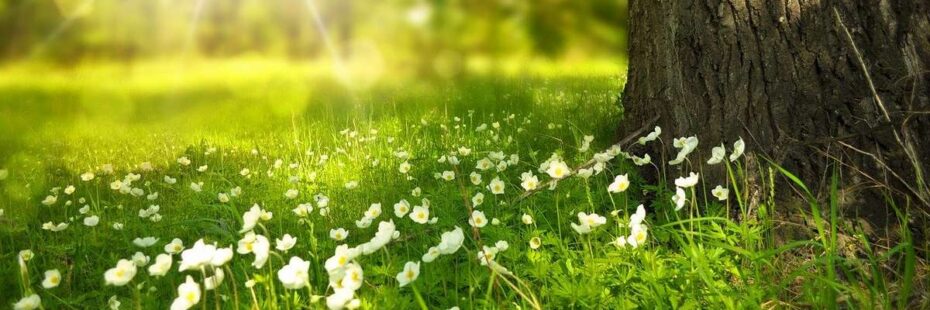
(785, 76)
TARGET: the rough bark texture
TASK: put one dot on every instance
(783, 75)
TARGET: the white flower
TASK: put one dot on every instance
(401, 208)
(197, 187)
(638, 217)
(87, 176)
(496, 186)
(222, 256)
(679, 198)
(291, 194)
(296, 274)
(592, 219)
(145, 242)
(685, 146)
(410, 273)
(585, 173)
(114, 303)
(175, 246)
(586, 143)
(303, 210)
(30, 302)
(475, 178)
(351, 185)
(374, 211)
(212, 282)
(720, 192)
(354, 275)
(586, 222)
(188, 295)
(620, 184)
(478, 199)
(250, 218)
(161, 266)
(124, 271)
(69, 190)
(451, 241)
(52, 279)
(641, 161)
(558, 169)
(140, 259)
(738, 147)
(91, 221)
(344, 255)
(620, 242)
(170, 180)
(420, 214)
(686, 182)
(364, 222)
(338, 234)
(477, 219)
(717, 155)
(502, 245)
(484, 164)
(340, 298)
(404, 167)
(535, 243)
(651, 136)
(255, 244)
(197, 256)
(50, 200)
(431, 254)
(222, 197)
(285, 243)
(529, 181)
(448, 175)
(50, 226)
(184, 161)
(637, 236)
(527, 219)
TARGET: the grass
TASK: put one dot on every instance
(56, 125)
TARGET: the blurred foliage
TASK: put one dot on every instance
(432, 36)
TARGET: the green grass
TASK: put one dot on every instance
(56, 125)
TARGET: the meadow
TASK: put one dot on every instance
(268, 185)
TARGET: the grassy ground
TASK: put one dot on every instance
(229, 116)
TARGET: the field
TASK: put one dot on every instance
(96, 159)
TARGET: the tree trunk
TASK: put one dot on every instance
(785, 76)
